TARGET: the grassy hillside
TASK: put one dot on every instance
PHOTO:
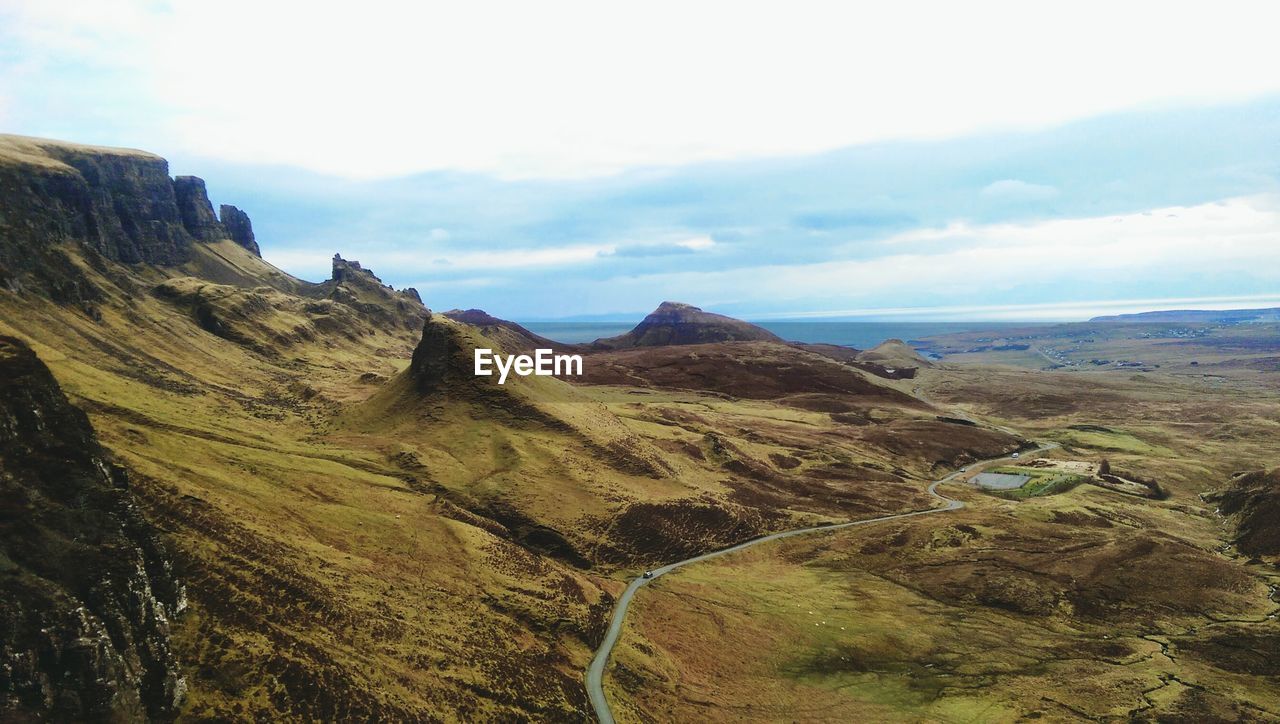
(359, 544)
(1086, 604)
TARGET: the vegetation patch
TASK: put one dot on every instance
(1100, 438)
(1041, 482)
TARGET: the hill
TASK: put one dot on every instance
(514, 336)
(674, 323)
(1196, 316)
(894, 354)
(753, 370)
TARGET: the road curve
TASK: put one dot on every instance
(595, 672)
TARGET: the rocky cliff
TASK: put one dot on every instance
(195, 209)
(439, 360)
(359, 289)
(117, 203)
(88, 589)
(676, 323)
(239, 228)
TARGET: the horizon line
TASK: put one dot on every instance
(1049, 312)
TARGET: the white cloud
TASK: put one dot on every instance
(1237, 239)
(697, 243)
(584, 87)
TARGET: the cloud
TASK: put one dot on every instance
(410, 263)
(697, 243)
(574, 89)
(1013, 189)
(690, 245)
(841, 219)
(1073, 310)
(1223, 250)
(903, 210)
(640, 251)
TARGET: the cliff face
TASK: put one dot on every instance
(438, 359)
(87, 588)
(118, 203)
(196, 210)
(239, 228)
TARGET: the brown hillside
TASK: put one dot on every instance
(755, 370)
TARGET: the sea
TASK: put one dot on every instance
(860, 335)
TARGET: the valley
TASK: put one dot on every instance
(362, 528)
(1084, 602)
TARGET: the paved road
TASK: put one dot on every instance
(595, 672)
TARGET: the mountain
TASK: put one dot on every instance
(88, 588)
(1196, 316)
(675, 323)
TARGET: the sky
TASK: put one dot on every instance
(550, 160)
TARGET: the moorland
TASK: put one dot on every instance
(327, 515)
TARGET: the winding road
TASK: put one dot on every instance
(595, 672)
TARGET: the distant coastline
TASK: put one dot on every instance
(860, 335)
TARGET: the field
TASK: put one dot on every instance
(1084, 603)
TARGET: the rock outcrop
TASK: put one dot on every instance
(116, 203)
(674, 323)
(349, 270)
(439, 359)
(239, 228)
(196, 210)
(361, 290)
(87, 588)
(1252, 503)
